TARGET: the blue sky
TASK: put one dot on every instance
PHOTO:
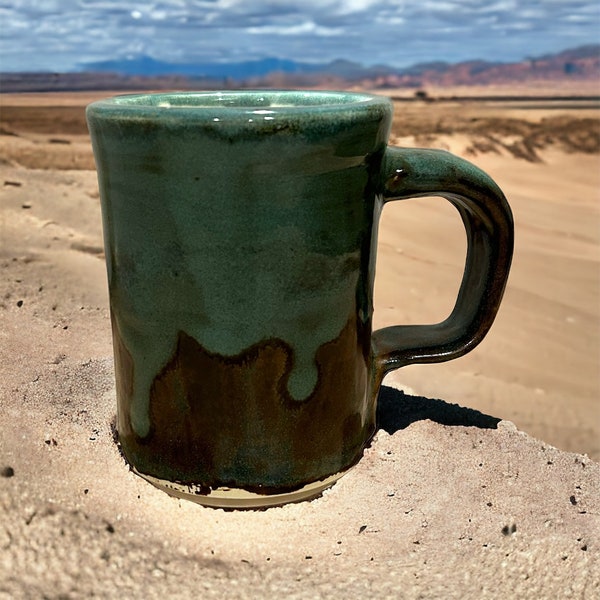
(59, 35)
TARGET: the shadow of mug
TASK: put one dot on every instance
(397, 410)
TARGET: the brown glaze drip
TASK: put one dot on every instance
(220, 421)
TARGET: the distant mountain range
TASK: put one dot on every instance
(144, 72)
(572, 60)
(150, 67)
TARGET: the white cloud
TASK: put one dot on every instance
(502, 6)
(307, 27)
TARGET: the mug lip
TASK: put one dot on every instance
(212, 104)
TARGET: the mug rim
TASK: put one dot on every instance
(240, 103)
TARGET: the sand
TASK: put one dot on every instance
(447, 502)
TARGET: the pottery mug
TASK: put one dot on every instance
(240, 231)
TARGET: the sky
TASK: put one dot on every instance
(62, 35)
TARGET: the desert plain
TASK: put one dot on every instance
(437, 480)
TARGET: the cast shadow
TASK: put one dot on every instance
(397, 410)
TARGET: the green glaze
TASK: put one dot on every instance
(240, 228)
(235, 221)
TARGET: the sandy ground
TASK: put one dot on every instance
(448, 502)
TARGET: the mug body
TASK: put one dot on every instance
(240, 234)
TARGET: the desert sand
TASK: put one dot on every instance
(500, 501)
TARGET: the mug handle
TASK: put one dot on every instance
(486, 215)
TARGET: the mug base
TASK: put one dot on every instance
(238, 498)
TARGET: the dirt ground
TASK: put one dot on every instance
(447, 503)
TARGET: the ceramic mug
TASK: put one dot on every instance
(240, 233)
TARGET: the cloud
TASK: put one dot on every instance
(60, 34)
(304, 28)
